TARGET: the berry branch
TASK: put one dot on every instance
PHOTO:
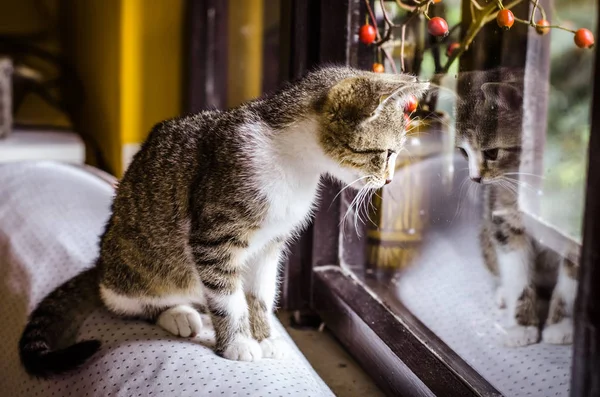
(437, 26)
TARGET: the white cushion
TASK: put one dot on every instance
(51, 216)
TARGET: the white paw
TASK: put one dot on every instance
(560, 333)
(243, 348)
(499, 298)
(274, 347)
(181, 320)
(518, 335)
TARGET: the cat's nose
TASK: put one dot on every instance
(388, 181)
(476, 179)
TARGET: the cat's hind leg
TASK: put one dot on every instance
(174, 313)
(559, 326)
(181, 320)
(260, 286)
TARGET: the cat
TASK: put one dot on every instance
(203, 214)
(488, 134)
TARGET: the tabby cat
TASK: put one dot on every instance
(489, 136)
(202, 216)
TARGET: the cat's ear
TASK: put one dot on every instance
(504, 95)
(400, 87)
(368, 93)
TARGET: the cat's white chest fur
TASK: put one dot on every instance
(288, 167)
(289, 209)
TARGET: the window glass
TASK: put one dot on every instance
(495, 163)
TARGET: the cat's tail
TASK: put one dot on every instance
(53, 320)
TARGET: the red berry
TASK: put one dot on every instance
(437, 1)
(505, 19)
(451, 48)
(584, 38)
(411, 105)
(378, 68)
(367, 33)
(541, 27)
(437, 26)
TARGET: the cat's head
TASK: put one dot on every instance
(362, 125)
(488, 132)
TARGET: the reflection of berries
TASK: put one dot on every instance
(584, 38)
(367, 34)
(411, 104)
(542, 27)
(505, 19)
(451, 48)
(437, 26)
(378, 68)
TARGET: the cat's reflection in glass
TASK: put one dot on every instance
(489, 136)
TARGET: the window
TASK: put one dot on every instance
(404, 281)
(404, 284)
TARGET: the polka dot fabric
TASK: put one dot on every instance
(50, 218)
(451, 292)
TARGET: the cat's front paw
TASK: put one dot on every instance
(560, 333)
(518, 336)
(274, 347)
(181, 320)
(243, 348)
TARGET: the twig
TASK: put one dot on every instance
(535, 6)
(480, 15)
(475, 4)
(391, 60)
(405, 6)
(545, 27)
(402, 48)
(386, 16)
(370, 10)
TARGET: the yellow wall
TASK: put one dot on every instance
(151, 55)
(93, 42)
(245, 45)
(128, 54)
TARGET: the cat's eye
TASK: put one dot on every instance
(490, 154)
(463, 152)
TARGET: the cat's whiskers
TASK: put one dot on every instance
(369, 202)
(441, 89)
(346, 187)
(357, 205)
(459, 207)
(503, 183)
(473, 192)
(404, 149)
(443, 121)
(361, 204)
(517, 182)
(350, 209)
(526, 174)
(372, 206)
